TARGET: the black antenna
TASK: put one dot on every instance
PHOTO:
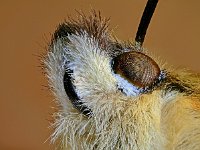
(145, 20)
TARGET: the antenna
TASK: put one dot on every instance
(145, 20)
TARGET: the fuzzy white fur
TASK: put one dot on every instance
(141, 122)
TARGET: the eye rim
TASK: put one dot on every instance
(160, 82)
(72, 95)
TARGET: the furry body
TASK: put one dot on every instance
(165, 117)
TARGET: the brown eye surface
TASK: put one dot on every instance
(138, 68)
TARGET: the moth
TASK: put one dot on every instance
(116, 95)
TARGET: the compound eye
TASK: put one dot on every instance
(137, 68)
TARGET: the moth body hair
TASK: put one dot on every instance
(167, 116)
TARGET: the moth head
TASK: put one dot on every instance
(102, 84)
(90, 69)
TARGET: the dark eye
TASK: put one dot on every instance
(137, 68)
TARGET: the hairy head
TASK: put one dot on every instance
(111, 94)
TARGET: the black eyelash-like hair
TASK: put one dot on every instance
(71, 93)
